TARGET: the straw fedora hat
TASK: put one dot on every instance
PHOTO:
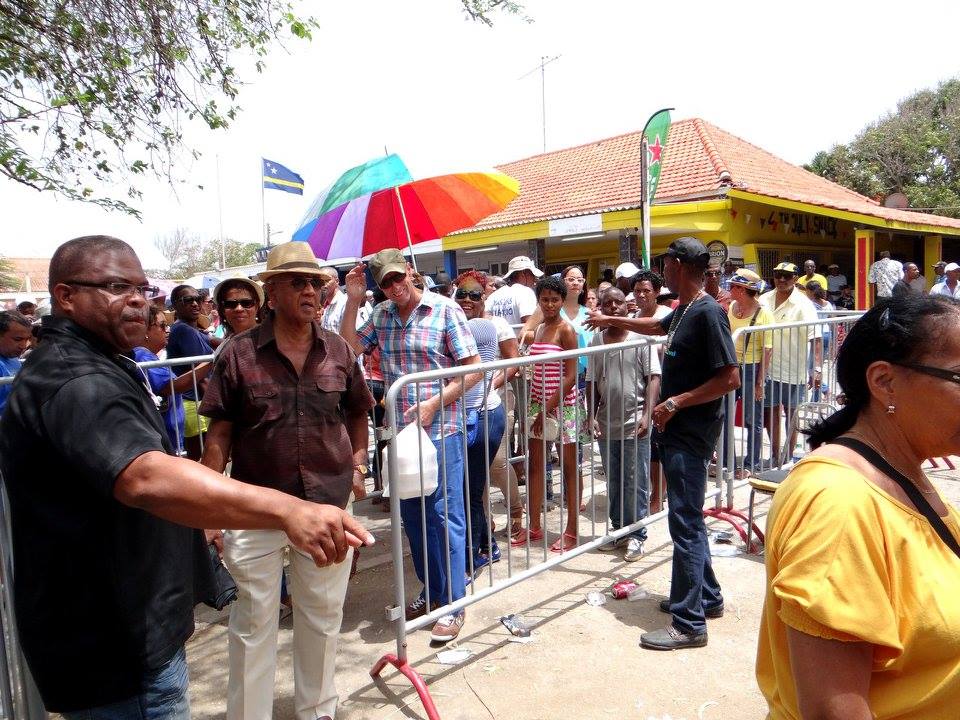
(290, 257)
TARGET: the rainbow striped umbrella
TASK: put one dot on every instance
(404, 214)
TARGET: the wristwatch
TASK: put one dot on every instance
(670, 405)
(362, 469)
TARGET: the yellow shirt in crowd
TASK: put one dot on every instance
(803, 280)
(846, 561)
(758, 341)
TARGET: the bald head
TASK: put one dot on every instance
(81, 257)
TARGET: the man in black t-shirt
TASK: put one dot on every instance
(101, 514)
(699, 368)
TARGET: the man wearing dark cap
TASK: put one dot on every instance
(699, 368)
(420, 330)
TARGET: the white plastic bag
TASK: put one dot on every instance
(410, 443)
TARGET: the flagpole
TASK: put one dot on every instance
(644, 200)
(223, 250)
(263, 211)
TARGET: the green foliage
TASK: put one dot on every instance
(186, 254)
(8, 277)
(915, 150)
(482, 9)
(96, 92)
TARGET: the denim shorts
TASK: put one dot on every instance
(787, 394)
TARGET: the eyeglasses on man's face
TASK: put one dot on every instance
(782, 276)
(300, 282)
(388, 281)
(119, 289)
(189, 299)
(712, 273)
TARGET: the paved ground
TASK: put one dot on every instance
(584, 661)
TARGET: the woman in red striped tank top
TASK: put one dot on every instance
(553, 395)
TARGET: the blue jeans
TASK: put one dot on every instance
(446, 522)
(164, 697)
(483, 440)
(752, 419)
(693, 586)
(632, 456)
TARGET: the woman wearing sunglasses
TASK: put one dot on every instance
(238, 303)
(486, 421)
(863, 554)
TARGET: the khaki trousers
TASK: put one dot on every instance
(255, 559)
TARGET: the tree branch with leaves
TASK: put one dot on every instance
(96, 93)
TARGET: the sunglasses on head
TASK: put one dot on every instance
(189, 299)
(474, 295)
(243, 302)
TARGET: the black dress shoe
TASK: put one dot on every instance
(712, 613)
(671, 639)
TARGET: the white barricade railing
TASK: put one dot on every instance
(533, 556)
(762, 430)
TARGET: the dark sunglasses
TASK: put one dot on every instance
(390, 280)
(783, 276)
(189, 299)
(244, 303)
(936, 372)
(474, 295)
(299, 283)
(712, 273)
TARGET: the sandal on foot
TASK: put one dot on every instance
(520, 539)
(564, 543)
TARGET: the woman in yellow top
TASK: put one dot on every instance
(753, 354)
(861, 617)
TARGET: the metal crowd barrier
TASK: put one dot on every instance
(760, 442)
(520, 563)
(532, 557)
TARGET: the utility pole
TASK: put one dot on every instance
(544, 61)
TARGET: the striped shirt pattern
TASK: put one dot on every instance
(434, 337)
(546, 376)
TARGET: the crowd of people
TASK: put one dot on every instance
(264, 449)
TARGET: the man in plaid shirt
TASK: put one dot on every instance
(419, 330)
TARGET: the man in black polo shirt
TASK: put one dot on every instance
(103, 553)
(699, 368)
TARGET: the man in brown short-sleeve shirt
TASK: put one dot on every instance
(289, 405)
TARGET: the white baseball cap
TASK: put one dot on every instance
(522, 262)
(626, 270)
(951, 267)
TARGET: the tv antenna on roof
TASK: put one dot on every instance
(544, 61)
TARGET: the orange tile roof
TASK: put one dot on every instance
(36, 268)
(700, 161)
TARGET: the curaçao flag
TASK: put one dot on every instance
(278, 177)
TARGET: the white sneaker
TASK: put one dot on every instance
(615, 546)
(634, 550)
